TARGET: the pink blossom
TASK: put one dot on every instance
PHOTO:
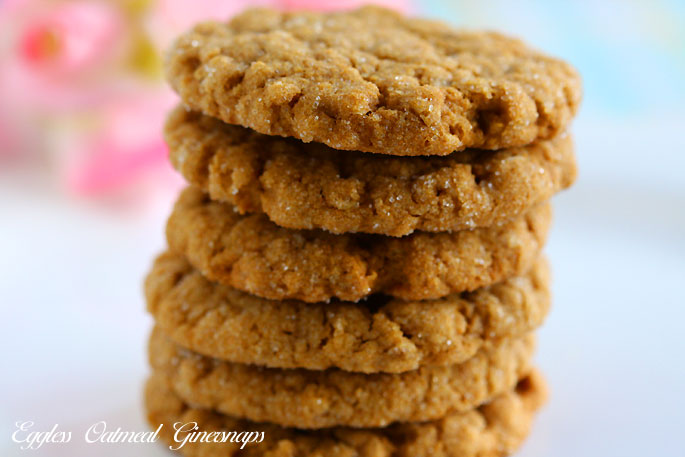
(35, 93)
(68, 37)
(127, 142)
(110, 165)
(8, 137)
(59, 56)
(12, 5)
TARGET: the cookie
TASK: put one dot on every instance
(307, 186)
(492, 430)
(317, 399)
(380, 334)
(371, 80)
(252, 254)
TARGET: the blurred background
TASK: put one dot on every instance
(85, 189)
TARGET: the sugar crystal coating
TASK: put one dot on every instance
(491, 430)
(306, 186)
(326, 398)
(372, 80)
(252, 254)
(380, 334)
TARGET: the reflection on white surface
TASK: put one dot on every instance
(74, 325)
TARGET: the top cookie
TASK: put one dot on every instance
(371, 80)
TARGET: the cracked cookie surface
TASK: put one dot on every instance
(318, 399)
(252, 254)
(309, 185)
(376, 335)
(495, 429)
(371, 80)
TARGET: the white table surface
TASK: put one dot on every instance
(74, 326)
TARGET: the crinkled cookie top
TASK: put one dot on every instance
(372, 80)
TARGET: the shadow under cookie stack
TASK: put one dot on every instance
(355, 269)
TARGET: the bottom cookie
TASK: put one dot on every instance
(494, 429)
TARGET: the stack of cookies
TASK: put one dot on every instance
(355, 269)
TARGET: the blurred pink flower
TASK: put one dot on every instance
(8, 137)
(32, 93)
(68, 37)
(11, 5)
(127, 142)
(110, 165)
(59, 53)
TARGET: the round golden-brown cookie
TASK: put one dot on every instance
(371, 80)
(307, 186)
(380, 334)
(495, 429)
(318, 399)
(252, 254)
